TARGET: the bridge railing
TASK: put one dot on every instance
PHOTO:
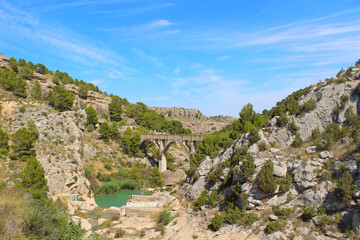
(171, 137)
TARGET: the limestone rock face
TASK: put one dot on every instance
(326, 99)
(59, 149)
(4, 62)
(304, 176)
(197, 188)
(173, 178)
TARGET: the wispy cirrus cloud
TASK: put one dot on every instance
(132, 11)
(147, 57)
(69, 44)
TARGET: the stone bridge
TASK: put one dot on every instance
(164, 141)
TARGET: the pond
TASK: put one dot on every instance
(118, 199)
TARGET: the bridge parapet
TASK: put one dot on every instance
(171, 137)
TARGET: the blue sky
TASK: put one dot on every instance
(211, 55)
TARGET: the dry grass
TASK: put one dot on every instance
(12, 212)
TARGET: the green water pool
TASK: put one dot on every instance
(118, 199)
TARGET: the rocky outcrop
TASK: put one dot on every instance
(59, 149)
(327, 98)
(4, 62)
(194, 120)
(173, 178)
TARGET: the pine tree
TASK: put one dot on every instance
(61, 99)
(23, 142)
(91, 116)
(265, 179)
(115, 111)
(4, 139)
(156, 180)
(33, 177)
(35, 91)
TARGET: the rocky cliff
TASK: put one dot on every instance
(315, 175)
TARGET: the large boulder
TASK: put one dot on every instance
(173, 178)
(197, 188)
(304, 176)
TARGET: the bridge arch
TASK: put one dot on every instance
(164, 141)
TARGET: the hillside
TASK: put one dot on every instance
(194, 120)
(291, 172)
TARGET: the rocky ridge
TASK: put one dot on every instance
(305, 165)
(194, 120)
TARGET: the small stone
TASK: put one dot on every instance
(311, 149)
(274, 150)
(273, 217)
(302, 230)
(326, 154)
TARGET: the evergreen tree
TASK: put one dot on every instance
(134, 174)
(265, 179)
(35, 91)
(33, 177)
(23, 142)
(91, 116)
(83, 91)
(4, 139)
(40, 68)
(156, 180)
(115, 111)
(61, 99)
(22, 62)
(13, 64)
(26, 72)
(19, 87)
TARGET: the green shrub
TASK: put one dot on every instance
(119, 233)
(107, 166)
(214, 174)
(217, 222)
(345, 189)
(4, 139)
(248, 167)
(351, 117)
(33, 177)
(213, 198)
(356, 91)
(164, 218)
(282, 120)
(282, 212)
(285, 183)
(107, 131)
(308, 106)
(156, 178)
(91, 116)
(114, 186)
(202, 199)
(275, 226)
(26, 72)
(265, 179)
(298, 142)
(61, 99)
(293, 128)
(115, 111)
(344, 100)
(262, 146)
(23, 142)
(308, 213)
